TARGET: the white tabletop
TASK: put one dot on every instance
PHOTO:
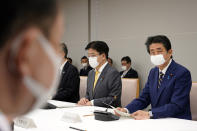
(51, 120)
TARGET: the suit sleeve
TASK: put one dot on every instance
(80, 72)
(87, 96)
(115, 88)
(142, 102)
(180, 97)
(69, 86)
(136, 75)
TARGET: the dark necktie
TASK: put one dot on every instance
(160, 79)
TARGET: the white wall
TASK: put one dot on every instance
(76, 28)
(125, 25)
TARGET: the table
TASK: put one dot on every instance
(50, 120)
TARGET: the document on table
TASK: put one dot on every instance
(61, 104)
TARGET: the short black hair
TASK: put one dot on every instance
(110, 59)
(64, 49)
(126, 58)
(70, 59)
(158, 39)
(84, 57)
(18, 15)
(99, 46)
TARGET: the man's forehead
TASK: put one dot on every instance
(84, 59)
(156, 46)
(123, 62)
(92, 51)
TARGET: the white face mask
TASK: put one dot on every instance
(157, 59)
(37, 89)
(84, 64)
(93, 62)
(124, 68)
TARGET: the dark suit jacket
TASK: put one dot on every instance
(172, 99)
(84, 72)
(68, 89)
(130, 74)
(108, 88)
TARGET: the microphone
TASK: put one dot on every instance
(109, 104)
(105, 115)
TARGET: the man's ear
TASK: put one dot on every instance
(104, 56)
(23, 49)
(170, 52)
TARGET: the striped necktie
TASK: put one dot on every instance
(160, 79)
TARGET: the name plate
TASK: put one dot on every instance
(71, 117)
(24, 122)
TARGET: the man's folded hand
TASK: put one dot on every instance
(140, 115)
(83, 101)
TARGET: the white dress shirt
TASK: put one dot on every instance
(4, 124)
(166, 68)
(125, 72)
(62, 66)
(101, 69)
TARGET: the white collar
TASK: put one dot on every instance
(4, 124)
(62, 66)
(128, 69)
(102, 67)
(165, 69)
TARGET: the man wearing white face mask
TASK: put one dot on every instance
(86, 67)
(28, 61)
(104, 82)
(168, 86)
(128, 71)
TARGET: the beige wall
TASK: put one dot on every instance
(125, 25)
(76, 28)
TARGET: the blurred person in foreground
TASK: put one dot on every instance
(28, 55)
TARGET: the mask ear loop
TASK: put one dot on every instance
(46, 45)
(12, 66)
(38, 90)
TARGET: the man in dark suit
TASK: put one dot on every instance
(128, 71)
(68, 89)
(168, 86)
(86, 67)
(104, 82)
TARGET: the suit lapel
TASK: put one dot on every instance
(92, 84)
(101, 78)
(64, 70)
(166, 79)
